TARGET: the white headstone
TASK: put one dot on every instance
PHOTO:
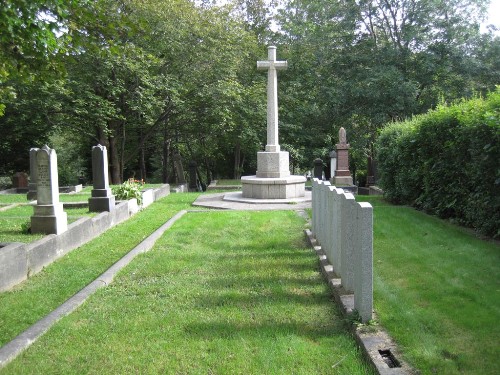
(347, 236)
(363, 262)
(48, 216)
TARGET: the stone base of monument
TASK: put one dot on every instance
(273, 188)
(345, 183)
(102, 204)
(49, 219)
(101, 200)
(341, 180)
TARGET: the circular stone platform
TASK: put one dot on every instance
(261, 188)
(235, 201)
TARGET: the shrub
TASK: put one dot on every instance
(128, 190)
(447, 162)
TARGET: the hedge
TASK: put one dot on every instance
(447, 162)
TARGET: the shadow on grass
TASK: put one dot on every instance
(271, 329)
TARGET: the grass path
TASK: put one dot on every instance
(221, 293)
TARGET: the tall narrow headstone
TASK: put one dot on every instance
(48, 216)
(342, 174)
(363, 261)
(318, 169)
(33, 175)
(193, 176)
(102, 198)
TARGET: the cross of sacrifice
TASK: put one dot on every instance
(272, 96)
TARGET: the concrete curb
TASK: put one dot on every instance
(12, 349)
(376, 344)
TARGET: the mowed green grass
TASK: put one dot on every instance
(220, 293)
(14, 221)
(31, 300)
(437, 291)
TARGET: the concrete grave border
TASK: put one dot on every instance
(12, 349)
(19, 261)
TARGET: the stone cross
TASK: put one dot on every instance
(271, 65)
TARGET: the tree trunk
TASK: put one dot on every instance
(114, 158)
(142, 158)
(237, 161)
(165, 156)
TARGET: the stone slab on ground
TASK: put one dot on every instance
(235, 201)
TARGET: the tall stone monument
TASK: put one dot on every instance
(102, 199)
(342, 174)
(273, 179)
(48, 217)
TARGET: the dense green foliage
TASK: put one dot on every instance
(447, 162)
(154, 79)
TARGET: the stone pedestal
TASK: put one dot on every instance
(272, 164)
(49, 219)
(273, 188)
(101, 200)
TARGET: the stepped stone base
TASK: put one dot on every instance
(49, 219)
(273, 188)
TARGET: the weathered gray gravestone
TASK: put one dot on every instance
(102, 198)
(363, 261)
(193, 176)
(318, 169)
(33, 169)
(48, 217)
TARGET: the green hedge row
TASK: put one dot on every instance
(447, 162)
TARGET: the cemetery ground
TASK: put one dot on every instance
(239, 292)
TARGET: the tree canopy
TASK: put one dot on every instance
(153, 79)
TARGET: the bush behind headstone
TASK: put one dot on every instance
(447, 162)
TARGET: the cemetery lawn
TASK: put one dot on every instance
(12, 198)
(14, 221)
(436, 291)
(222, 292)
(34, 298)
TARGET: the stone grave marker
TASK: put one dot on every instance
(102, 198)
(48, 217)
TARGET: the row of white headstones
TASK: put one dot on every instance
(344, 230)
(48, 216)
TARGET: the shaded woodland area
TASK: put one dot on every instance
(154, 79)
